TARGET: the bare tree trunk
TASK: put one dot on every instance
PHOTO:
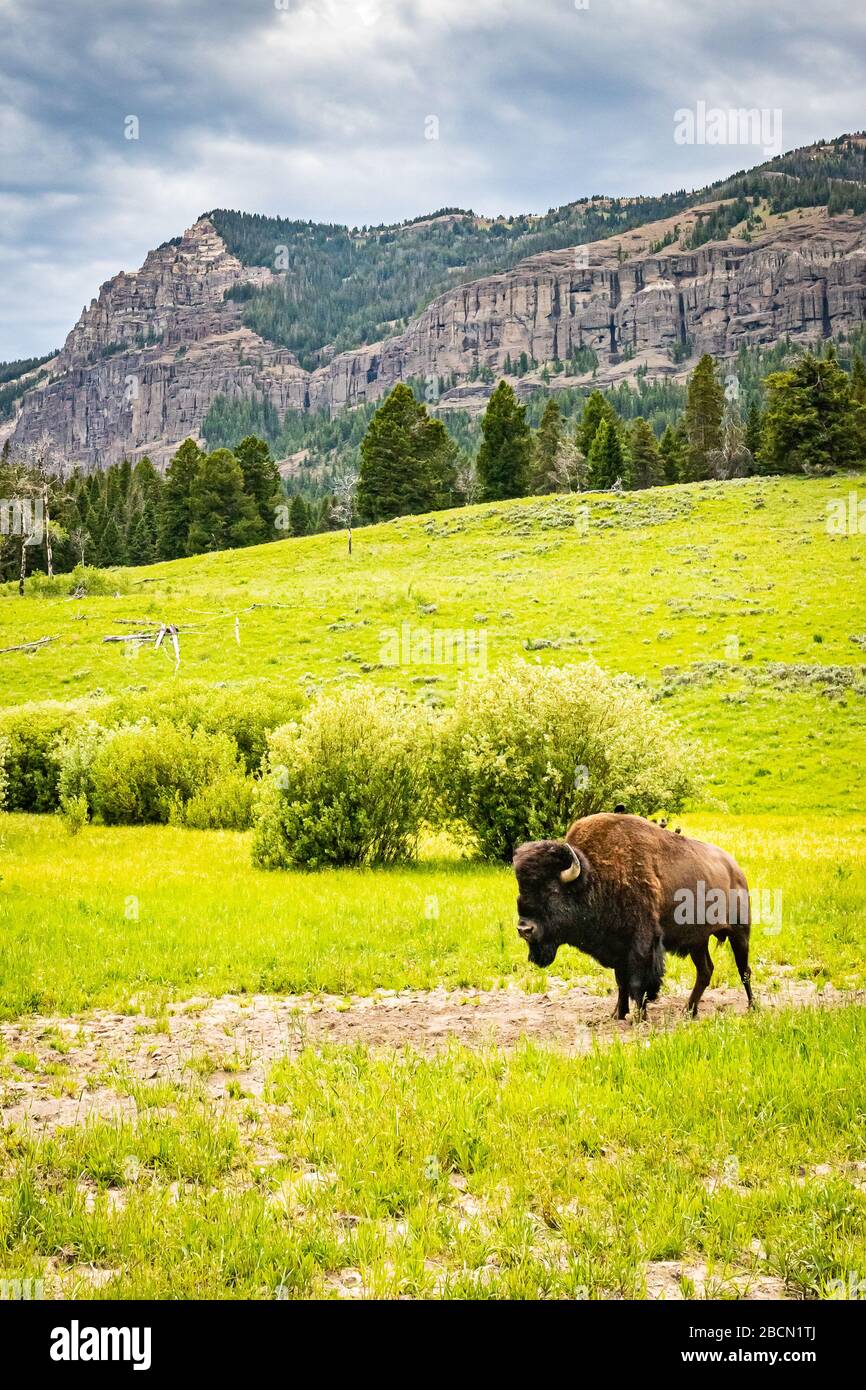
(349, 534)
(49, 557)
(23, 571)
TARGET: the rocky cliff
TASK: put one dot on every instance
(146, 360)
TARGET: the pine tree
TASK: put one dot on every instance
(299, 516)
(548, 438)
(858, 404)
(505, 455)
(407, 460)
(147, 483)
(810, 424)
(597, 408)
(174, 510)
(261, 480)
(644, 462)
(672, 449)
(110, 550)
(124, 478)
(754, 425)
(324, 521)
(605, 462)
(705, 405)
(141, 545)
(221, 513)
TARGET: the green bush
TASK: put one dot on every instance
(226, 804)
(80, 582)
(145, 773)
(528, 748)
(347, 784)
(31, 734)
(31, 765)
(245, 713)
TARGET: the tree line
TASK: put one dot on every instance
(810, 417)
(813, 420)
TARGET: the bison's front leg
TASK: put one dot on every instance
(622, 998)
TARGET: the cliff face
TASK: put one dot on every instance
(144, 363)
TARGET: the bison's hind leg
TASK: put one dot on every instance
(704, 966)
(739, 939)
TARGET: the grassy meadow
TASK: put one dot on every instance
(722, 1158)
(693, 1167)
(741, 575)
(126, 918)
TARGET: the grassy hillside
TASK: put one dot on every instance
(731, 599)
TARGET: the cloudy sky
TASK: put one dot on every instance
(321, 109)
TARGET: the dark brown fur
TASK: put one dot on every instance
(630, 902)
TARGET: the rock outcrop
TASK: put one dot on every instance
(147, 359)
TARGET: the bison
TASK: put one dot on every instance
(625, 891)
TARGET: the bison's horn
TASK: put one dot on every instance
(570, 874)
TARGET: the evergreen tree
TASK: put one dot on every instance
(110, 549)
(505, 456)
(221, 513)
(605, 462)
(261, 480)
(124, 479)
(407, 460)
(644, 463)
(754, 425)
(705, 405)
(548, 438)
(324, 520)
(141, 544)
(858, 403)
(299, 516)
(597, 408)
(174, 511)
(142, 507)
(810, 423)
(672, 449)
(147, 483)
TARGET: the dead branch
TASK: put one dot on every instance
(27, 646)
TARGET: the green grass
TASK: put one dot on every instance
(208, 923)
(661, 579)
(730, 1146)
(734, 1148)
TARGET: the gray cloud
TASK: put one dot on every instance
(317, 108)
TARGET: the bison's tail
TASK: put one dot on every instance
(655, 971)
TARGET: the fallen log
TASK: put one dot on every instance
(28, 646)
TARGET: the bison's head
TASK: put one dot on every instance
(551, 880)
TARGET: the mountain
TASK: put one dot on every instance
(302, 316)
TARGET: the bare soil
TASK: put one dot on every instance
(86, 1066)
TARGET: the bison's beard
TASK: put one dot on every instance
(543, 953)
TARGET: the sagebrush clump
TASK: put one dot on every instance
(346, 784)
(527, 749)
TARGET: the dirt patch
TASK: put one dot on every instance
(677, 1279)
(110, 1065)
